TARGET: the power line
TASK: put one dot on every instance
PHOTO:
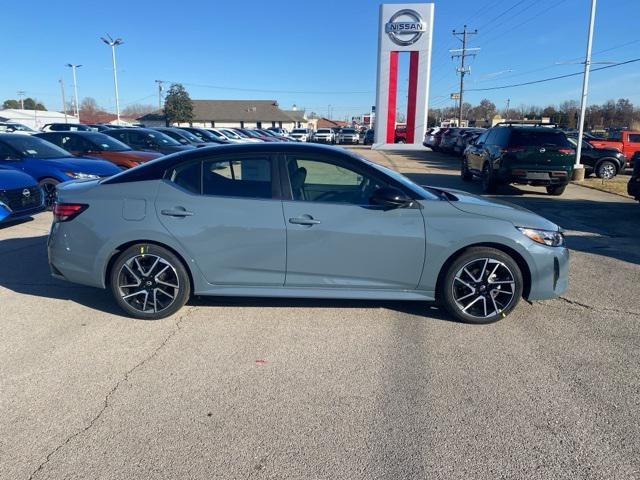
(219, 87)
(503, 13)
(551, 78)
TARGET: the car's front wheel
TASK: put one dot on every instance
(149, 282)
(606, 169)
(48, 186)
(481, 286)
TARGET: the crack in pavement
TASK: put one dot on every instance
(107, 398)
(592, 307)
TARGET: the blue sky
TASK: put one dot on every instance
(297, 51)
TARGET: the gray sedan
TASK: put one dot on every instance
(298, 220)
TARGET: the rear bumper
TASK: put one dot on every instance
(534, 176)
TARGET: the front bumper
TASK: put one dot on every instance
(7, 216)
(549, 271)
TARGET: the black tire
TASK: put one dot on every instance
(606, 169)
(451, 286)
(149, 283)
(488, 182)
(465, 174)
(48, 186)
(556, 190)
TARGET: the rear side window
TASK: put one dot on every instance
(634, 138)
(538, 138)
(187, 176)
(244, 177)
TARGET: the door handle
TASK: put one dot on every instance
(304, 220)
(176, 212)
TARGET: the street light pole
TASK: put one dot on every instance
(75, 88)
(113, 44)
(64, 101)
(578, 168)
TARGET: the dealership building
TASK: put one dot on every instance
(235, 113)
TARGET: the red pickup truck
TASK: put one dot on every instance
(625, 141)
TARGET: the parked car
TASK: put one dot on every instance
(269, 133)
(254, 134)
(147, 140)
(400, 134)
(464, 138)
(20, 195)
(285, 219)
(279, 131)
(206, 135)
(67, 127)
(181, 136)
(14, 127)
(229, 135)
(369, 137)
(450, 138)
(429, 136)
(47, 163)
(100, 146)
(625, 141)
(324, 135)
(604, 162)
(437, 138)
(301, 134)
(518, 154)
(348, 135)
(246, 138)
(633, 187)
(101, 127)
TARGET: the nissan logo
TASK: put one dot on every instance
(26, 193)
(406, 30)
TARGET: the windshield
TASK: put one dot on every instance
(299, 130)
(34, 147)
(107, 143)
(230, 133)
(163, 139)
(323, 130)
(349, 131)
(190, 136)
(17, 127)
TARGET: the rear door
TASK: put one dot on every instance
(336, 238)
(226, 214)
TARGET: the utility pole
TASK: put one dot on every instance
(506, 112)
(20, 96)
(159, 82)
(578, 169)
(463, 69)
(64, 101)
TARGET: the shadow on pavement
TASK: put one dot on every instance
(29, 275)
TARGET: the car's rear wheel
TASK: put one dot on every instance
(481, 286)
(488, 182)
(48, 186)
(556, 190)
(149, 282)
(606, 169)
(465, 174)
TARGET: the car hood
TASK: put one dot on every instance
(76, 164)
(518, 216)
(11, 179)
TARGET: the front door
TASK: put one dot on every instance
(336, 238)
(223, 212)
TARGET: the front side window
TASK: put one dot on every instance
(244, 177)
(322, 181)
(73, 143)
(634, 138)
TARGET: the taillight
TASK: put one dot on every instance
(567, 151)
(63, 212)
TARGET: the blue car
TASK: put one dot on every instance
(20, 195)
(49, 164)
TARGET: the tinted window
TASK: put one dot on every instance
(187, 176)
(490, 137)
(501, 137)
(72, 143)
(6, 152)
(615, 136)
(322, 181)
(634, 138)
(35, 147)
(483, 138)
(538, 138)
(107, 143)
(244, 177)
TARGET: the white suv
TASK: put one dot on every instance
(301, 134)
(348, 135)
(324, 135)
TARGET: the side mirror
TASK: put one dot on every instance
(390, 197)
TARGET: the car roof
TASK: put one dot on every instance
(83, 133)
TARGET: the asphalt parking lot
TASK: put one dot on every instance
(255, 388)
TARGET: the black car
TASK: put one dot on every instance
(100, 127)
(146, 139)
(539, 156)
(633, 187)
(206, 135)
(369, 136)
(604, 162)
(181, 136)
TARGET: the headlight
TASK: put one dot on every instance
(545, 237)
(79, 175)
(4, 205)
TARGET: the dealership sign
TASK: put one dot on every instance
(403, 28)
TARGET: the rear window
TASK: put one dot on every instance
(538, 138)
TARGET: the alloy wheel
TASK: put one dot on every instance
(483, 288)
(606, 170)
(49, 189)
(148, 283)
